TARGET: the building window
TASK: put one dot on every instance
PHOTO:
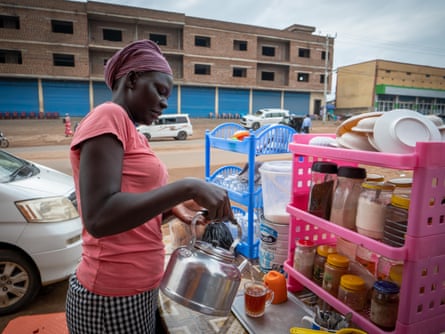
(306, 53)
(267, 76)
(60, 59)
(202, 41)
(322, 78)
(159, 39)
(239, 72)
(268, 51)
(10, 57)
(63, 27)
(112, 35)
(239, 45)
(303, 77)
(9, 22)
(323, 55)
(202, 69)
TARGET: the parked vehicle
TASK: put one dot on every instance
(4, 142)
(40, 230)
(264, 116)
(177, 126)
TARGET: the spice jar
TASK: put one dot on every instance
(323, 177)
(396, 220)
(352, 291)
(346, 193)
(321, 256)
(335, 267)
(385, 304)
(304, 257)
(371, 208)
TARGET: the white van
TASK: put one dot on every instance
(177, 126)
(263, 117)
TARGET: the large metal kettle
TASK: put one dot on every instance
(203, 276)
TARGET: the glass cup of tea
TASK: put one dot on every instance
(257, 296)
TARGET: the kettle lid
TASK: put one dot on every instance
(213, 249)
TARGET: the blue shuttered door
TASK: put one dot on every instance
(19, 95)
(66, 97)
(233, 102)
(297, 103)
(266, 99)
(172, 102)
(198, 101)
(101, 93)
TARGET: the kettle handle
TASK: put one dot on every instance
(204, 213)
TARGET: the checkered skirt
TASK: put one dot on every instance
(88, 313)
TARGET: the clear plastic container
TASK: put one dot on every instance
(304, 257)
(345, 199)
(396, 220)
(352, 291)
(321, 256)
(335, 267)
(371, 208)
(323, 178)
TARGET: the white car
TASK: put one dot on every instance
(40, 230)
(263, 117)
(176, 126)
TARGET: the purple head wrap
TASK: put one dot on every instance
(139, 56)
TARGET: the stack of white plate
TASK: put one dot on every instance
(395, 131)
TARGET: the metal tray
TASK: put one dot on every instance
(279, 318)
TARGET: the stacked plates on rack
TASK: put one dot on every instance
(395, 131)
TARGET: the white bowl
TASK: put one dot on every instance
(355, 141)
(397, 131)
(365, 125)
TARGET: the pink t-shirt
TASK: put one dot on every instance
(129, 262)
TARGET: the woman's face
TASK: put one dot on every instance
(148, 96)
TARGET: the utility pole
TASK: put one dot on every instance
(325, 89)
(326, 75)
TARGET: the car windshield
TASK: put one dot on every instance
(259, 113)
(13, 168)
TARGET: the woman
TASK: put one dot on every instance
(123, 197)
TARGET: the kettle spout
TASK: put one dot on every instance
(243, 264)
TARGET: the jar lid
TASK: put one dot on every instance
(375, 177)
(386, 287)
(402, 182)
(325, 250)
(352, 282)
(352, 172)
(324, 167)
(400, 200)
(305, 243)
(385, 186)
(338, 260)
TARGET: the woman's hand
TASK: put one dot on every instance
(214, 199)
(187, 210)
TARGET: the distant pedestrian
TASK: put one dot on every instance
(68, 130)
(306, 126)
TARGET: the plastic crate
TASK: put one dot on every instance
(422, 295)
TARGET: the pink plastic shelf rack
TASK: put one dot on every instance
(422, 295)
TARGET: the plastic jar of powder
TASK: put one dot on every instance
(353, 291)
(371, 208)
(335, 267)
